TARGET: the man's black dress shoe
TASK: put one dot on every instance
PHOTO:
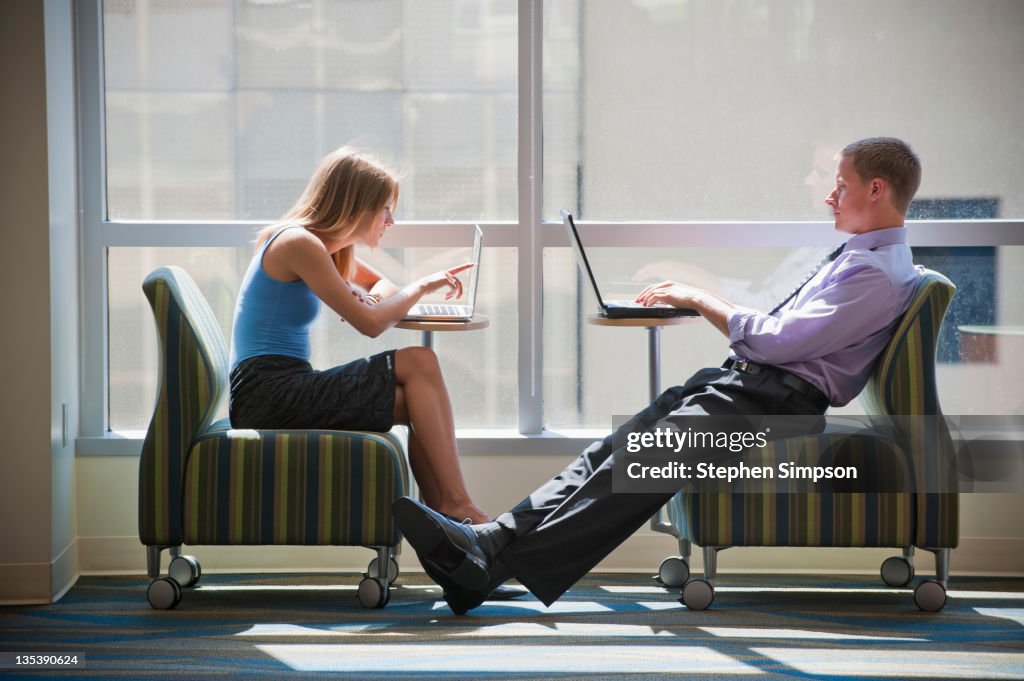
(462, 600)
(449, 551)
(504, 592)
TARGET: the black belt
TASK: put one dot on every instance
(805, 388)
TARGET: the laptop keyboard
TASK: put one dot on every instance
(446, 310)
(633, 303)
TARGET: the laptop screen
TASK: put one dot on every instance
(581, 255)
(474, 272)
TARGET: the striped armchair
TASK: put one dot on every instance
(918, 507)
(205, 483)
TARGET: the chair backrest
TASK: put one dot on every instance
(193, 369)
(903, 381)
(902, 389)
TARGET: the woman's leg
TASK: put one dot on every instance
(429, 490)
(421, 400)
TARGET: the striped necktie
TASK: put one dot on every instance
(810, 275)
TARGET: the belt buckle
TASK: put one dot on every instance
(742, 365)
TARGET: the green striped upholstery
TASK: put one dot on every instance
(725, 515)
(902, 384)
(208, 484)
(193, 367)
(292, 487)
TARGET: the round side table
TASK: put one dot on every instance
(428, 327)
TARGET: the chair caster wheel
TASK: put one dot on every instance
(163, 593)
(373, 593)
(673, 572)
(698, 594)
(373, 569)
(185, 570)
(930, 596)
(897, 571)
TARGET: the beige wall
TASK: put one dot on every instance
(39, 279)
(24, 401)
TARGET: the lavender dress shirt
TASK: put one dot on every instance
(833, 330)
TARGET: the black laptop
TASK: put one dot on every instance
(617, 309)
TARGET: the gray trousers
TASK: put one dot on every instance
(570, 523)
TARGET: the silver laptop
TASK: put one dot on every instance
(447, 312)
(616, 309)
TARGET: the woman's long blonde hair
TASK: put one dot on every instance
(346, 186)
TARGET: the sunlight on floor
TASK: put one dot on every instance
(953, 593)
(379, 651)
(757, 589)
(1012, 614)
(505, 659)
(796, 634)
(376, 629)
(610, 659)
(573, 629)
(557, 608)
(899, 664)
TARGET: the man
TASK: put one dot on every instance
(815, 349)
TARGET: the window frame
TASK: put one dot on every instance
(530, 234)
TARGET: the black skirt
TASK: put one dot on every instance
(278, 392)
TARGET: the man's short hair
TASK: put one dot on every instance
(890, 159)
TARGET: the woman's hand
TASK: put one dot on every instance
(449, 278)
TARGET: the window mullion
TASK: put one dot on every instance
(94, 389)
(530, 187)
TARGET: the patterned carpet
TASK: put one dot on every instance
(609, 626)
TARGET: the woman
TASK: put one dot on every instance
(306, 258)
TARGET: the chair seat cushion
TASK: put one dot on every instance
(301, 487)
(877, 509)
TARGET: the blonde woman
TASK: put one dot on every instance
(307, 259)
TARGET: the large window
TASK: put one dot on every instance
(701, 111)
(694, 139)
(221, 111)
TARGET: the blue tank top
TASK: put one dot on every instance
(271, 317)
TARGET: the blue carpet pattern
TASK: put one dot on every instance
(608, 626)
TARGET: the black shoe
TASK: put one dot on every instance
(462, 600)
(506, 593)
(449, 551)
(458, 598)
